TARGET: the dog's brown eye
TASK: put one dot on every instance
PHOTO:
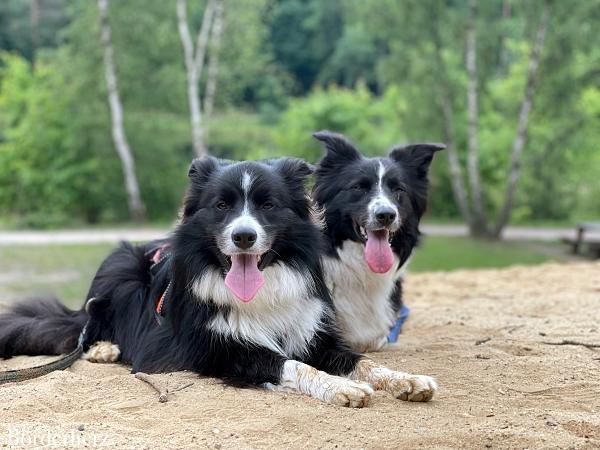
(268, 205)
(356, 187)
(222, 205)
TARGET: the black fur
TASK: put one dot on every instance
(40, 327)
(125, 289)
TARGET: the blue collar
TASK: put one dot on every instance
(397, 328)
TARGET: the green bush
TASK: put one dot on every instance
(44, 172)
(372, 123)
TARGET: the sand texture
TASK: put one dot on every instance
(480, 333)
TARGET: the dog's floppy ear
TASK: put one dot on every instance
(201, 168)
(339, 148)
(416, 156)
(294, 171)
(198, 173)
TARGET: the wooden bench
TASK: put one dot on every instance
(591, 242)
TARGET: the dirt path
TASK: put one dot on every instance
(480, 333)
(90, 236)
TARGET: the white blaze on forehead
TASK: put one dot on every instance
(380, 174)
(246, 186)
(245, 220)
(246, 183)
(380, 198)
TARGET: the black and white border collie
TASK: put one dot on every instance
(372, 209)
(241, 296)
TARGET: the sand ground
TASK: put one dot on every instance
(480, 333)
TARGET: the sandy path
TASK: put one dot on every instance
(91, 236)
(510, 391)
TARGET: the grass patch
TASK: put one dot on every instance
(67, 270)
(62, 270)
(451, 253)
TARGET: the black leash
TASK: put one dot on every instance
(14, 376)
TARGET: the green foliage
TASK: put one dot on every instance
(366, 68)
(39, 143)
(239, 135)
(373, 123)
(17, 27)
(303, 36)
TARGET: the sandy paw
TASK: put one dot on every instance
(412, 388)
(102, 352)
(354, 394)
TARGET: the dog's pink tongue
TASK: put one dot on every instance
(244, 279)
(378, 251)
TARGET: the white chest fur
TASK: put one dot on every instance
(282, 317)
(361, 297)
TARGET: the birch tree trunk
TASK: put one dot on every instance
(456, 177)
(194, 63)
(479, 222)
(213, 65)
(521, 134)
(136, 206)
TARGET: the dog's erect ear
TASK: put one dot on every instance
(416, 156)
(338, 147)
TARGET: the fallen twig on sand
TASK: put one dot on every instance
(162, 392)
(570, 342)
(483, 341)
(512, 328)
(180, 388)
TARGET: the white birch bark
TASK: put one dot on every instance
(213, 65)
(194, 63)
(456, 177)
(521, 134)
(134, 200)
(479, 226)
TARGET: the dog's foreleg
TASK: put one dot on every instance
(299, 377)
(404, 386)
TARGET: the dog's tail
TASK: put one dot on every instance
(40, 327)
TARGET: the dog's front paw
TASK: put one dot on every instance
(412, 388)
(340, 391)
(102, 352)
(354, 394)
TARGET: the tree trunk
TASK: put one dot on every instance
(479, 222)
(136, 206)
(213, 65)
(503, 53)
(194, 63)
(34, 19)
(458, 187)
(521, 134)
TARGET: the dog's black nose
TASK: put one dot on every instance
(385, 216)
(244, 237)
